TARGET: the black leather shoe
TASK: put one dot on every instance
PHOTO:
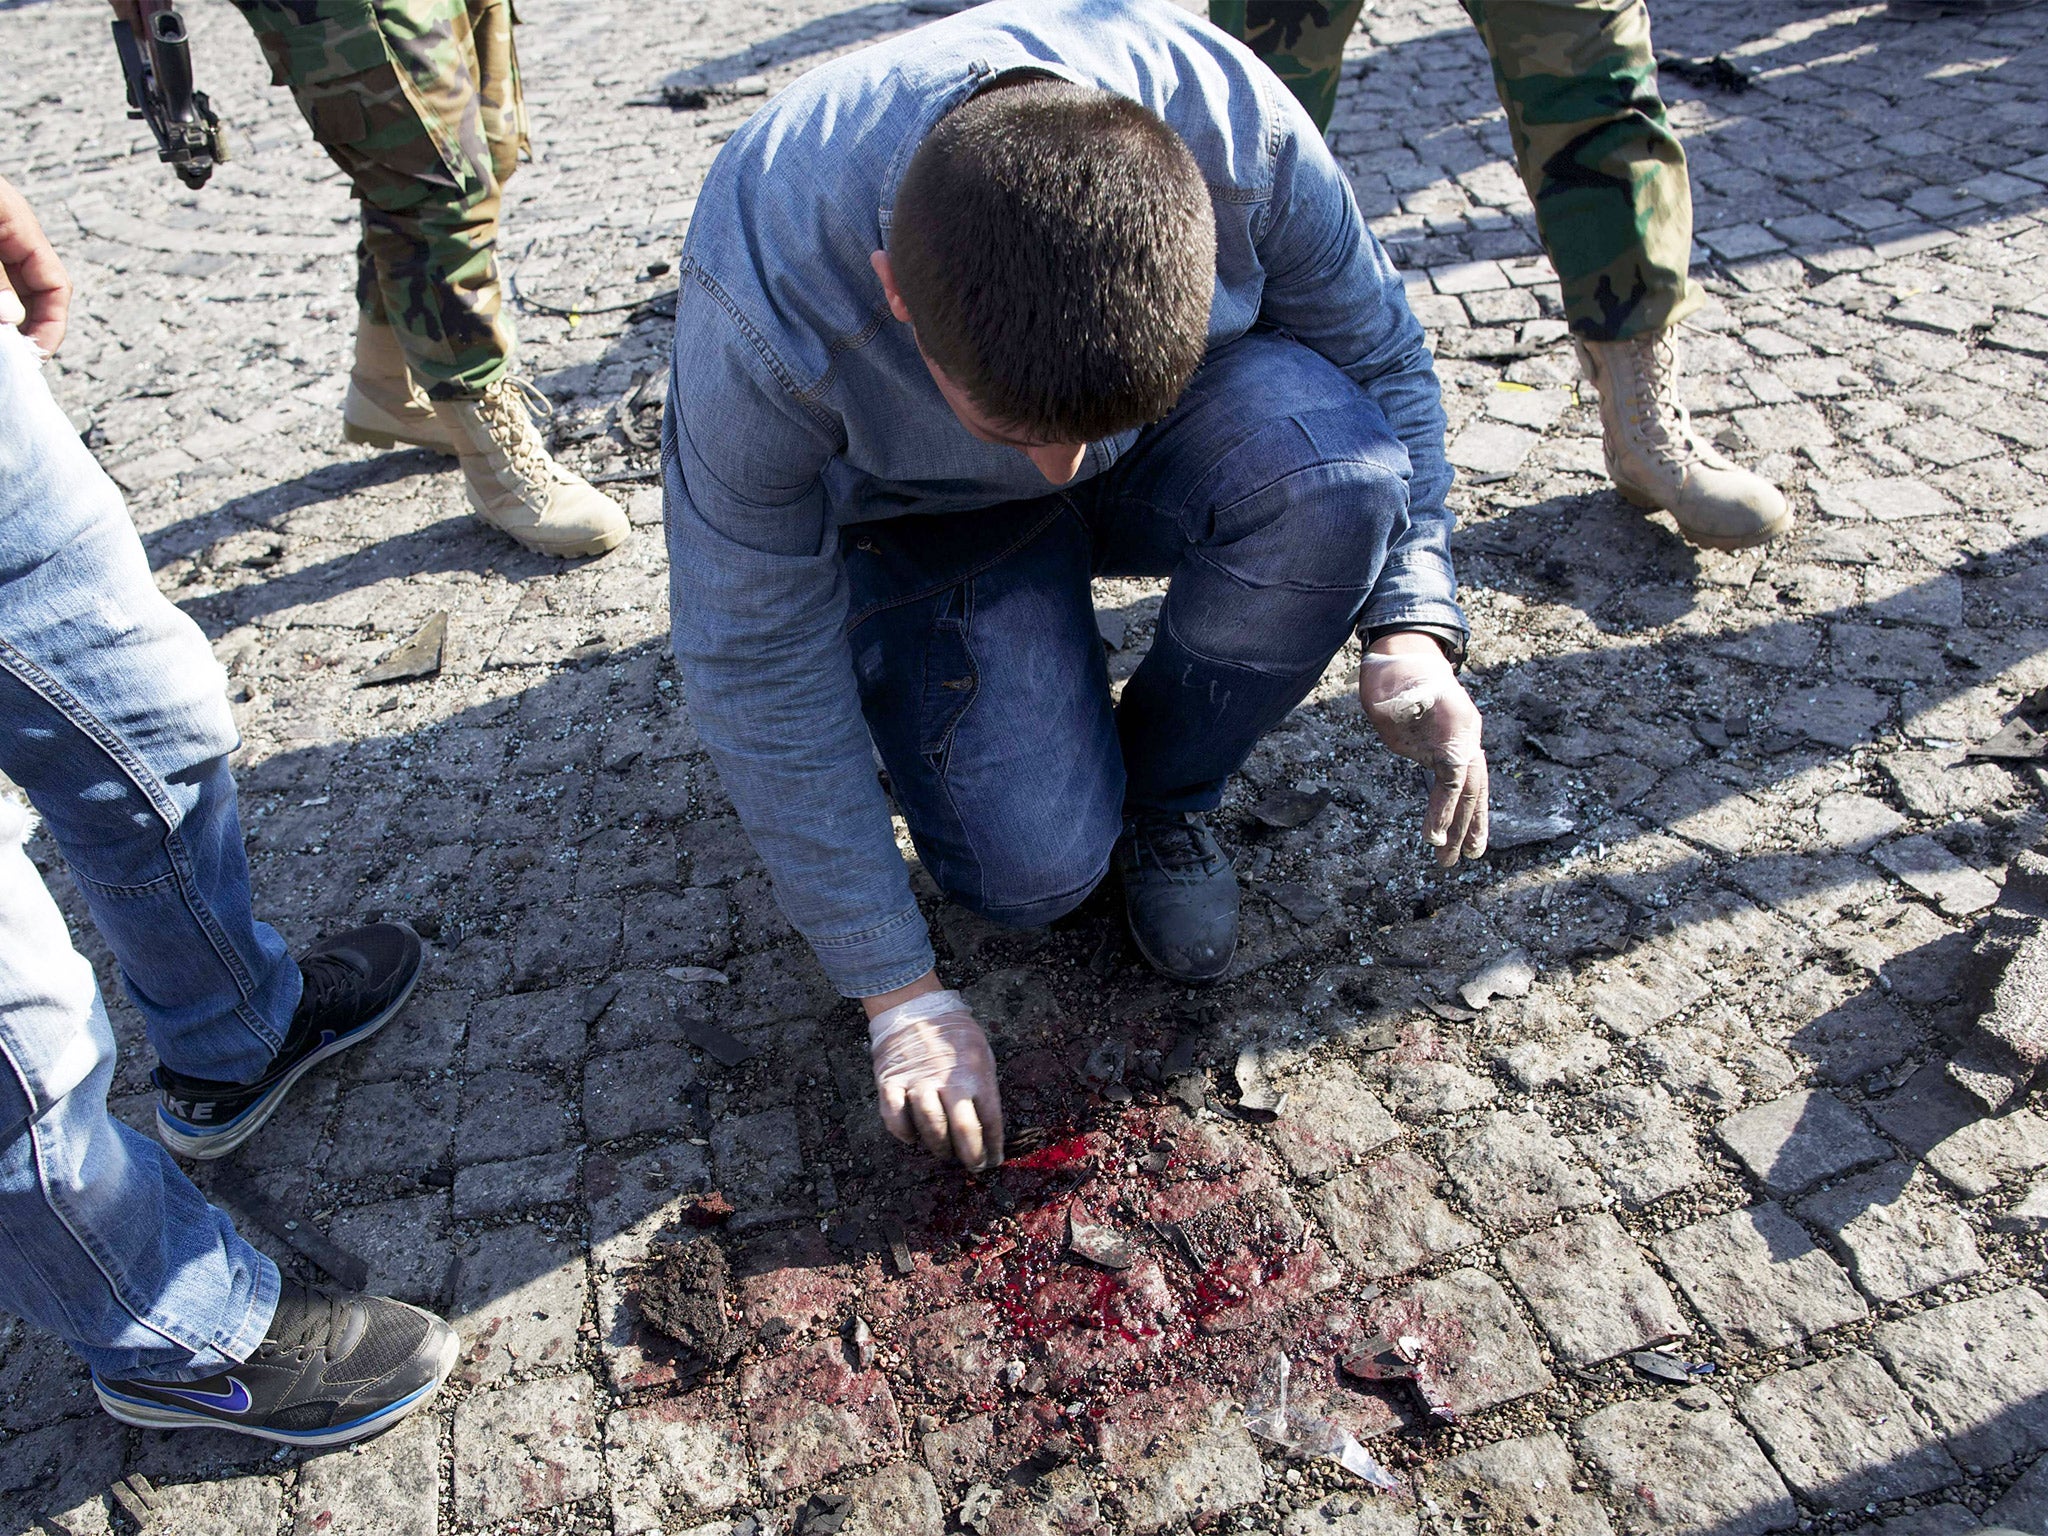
(1180, 895)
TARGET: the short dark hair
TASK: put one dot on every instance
(1057, 252)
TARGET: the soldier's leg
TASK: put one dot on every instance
(1302, 41)
(427, 124)
(1578, 81)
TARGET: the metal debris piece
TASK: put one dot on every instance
(1383, 1359)
(1660, 1366)
(1182, 1242)
(231, 1182)
(2017, 742)
(823, 1514)
(898, 1238)
(1720, 73)
(420, 655)
(1285, 809)
(1256, 1099)
(1181, 1058)
(1190, 1091)
(860, 1343)
(1506, 831)
(1103, 961)
(697, 973)
(1101, 1246)
(1155, 1162)
(1269, 1416)
(1451, 1012)
(977, 1506)
(721, 1045)
(1508, 975)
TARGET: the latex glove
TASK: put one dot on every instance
(1415, 702)
(936, 1078)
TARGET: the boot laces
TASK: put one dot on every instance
(1655, 417)
(508, 410)
(1175, 844)
(330, 983)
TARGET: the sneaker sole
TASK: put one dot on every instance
(207, 1145)
(150, 1415)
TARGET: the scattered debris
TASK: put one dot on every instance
(1269, 1416)
(1255, 1097)
(1296, 899)
(697, 973)
(1508, 975)
(1505, 831)
(898, 1238)
(1285, 809)
(682, 1294)
(2016, 742)
(138, 1499)
(1182, 1242)
(1662, 1367)
(1104, 1070)
(720, 1044)
(822, 1515)
(860, 1343)
(232, 1184)
(1720, 73)
(709, 1210)
(1101, 1246)
(1103, 961)
(978, 1504)
(1380, 1358)
(420, 655)
(1712, 732)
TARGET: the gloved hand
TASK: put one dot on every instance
(936, 1079)
(1414, 700)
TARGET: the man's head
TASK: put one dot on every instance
(1054, 250)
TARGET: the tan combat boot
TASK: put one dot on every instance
(385, 407)
(1656, 460)
(515, 484)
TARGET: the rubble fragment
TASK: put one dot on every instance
(1509, 975)
(720, 1044)
(860, 1344)
(420, 654)
(1101, 1246)
(1285, 809)
(1661, 1367)
(682, 1294)
(1256, 1099)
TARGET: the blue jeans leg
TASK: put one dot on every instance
(103, 1240)
(1270, 496)
(114, 720)
(983, 682)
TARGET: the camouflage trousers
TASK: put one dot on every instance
(1579, 84)
(418, 101)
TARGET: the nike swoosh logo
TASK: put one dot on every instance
(236, 1401)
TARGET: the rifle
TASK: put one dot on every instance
(157, 59)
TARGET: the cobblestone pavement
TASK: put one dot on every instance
(1668, 1068)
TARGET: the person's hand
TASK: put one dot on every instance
(1414, 700)
(936, 1079)
(35, 293)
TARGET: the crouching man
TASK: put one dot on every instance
(1047, 290)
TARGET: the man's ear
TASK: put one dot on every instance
(880, 262)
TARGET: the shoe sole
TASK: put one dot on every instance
(149, 1415)
(602, 544)
(211, 1144)
(1726, 544)
(369, 438)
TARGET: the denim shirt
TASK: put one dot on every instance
(798, 405)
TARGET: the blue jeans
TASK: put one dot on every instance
(1269, 497)
(114, 721)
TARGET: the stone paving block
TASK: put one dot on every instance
(526, 1447)
(1685, 1466)
(809, 1416)
(1332, 1120)
(1517, 1485)
(1194, 1477)
(1629, 1006)
(2029, 1213)
(40, 1380)
(1980, 1369)
(493, 1189)
(1352, 1515)
(1758, 1279)
(1856, 823)
(1486, 1355)
(57, 1477)
(1646, 1148)
(757, 1157)
(1593, 1294)
(958, 1454)
(1932, 1520)
(671, 1459)
(1948, 1130)
(1490, 450)
(1836, 714)
(688, 927)
(1898, 1237)
(405, 1243)
(1515, 1168)
(638, 1091)
(531, 1029)
(507, 1114)
(1385, 1217)
(1938, 875)
(1791, 1144)
(2025, 1505)
(954, 1352)
(387, 1486)
(518, 1303)
(394, 1127)
(897, 1501)
(234, 1504)
(1843, 1434)
(632, 1198)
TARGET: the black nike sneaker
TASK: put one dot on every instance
(333, 1368)
(355, 982)
(1180, 895)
